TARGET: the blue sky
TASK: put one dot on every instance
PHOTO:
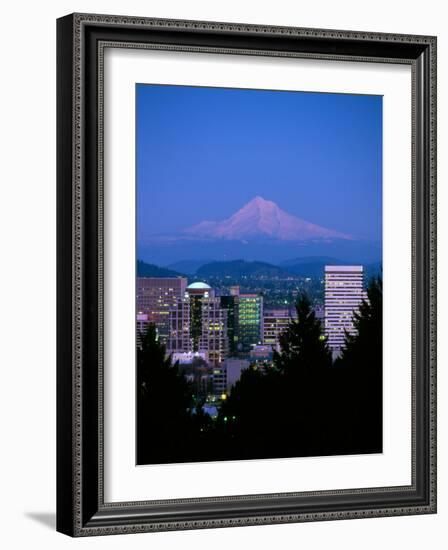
(202, 153)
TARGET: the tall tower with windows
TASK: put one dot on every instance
(199, 324)
(344, 292)
(250, 321)
(155, 297)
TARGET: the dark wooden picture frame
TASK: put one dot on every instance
(81, 509)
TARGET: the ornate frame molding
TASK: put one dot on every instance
(81, 42)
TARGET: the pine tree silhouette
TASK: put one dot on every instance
(303, 405)
(362, 360)
(164, 402)
(303, 344)
(284, 411)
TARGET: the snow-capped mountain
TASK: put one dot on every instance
(263, 218)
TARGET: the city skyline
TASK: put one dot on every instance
(194, 319)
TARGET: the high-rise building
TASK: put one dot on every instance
(142, 325)
(250, 321)
(344, 292)
(179, 339)
(230, 304)
(198, 323)
(156, 296)
(275, 322)
(319, 312)
(219, 380)
(214, 338)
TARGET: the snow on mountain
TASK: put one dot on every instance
(263, 218)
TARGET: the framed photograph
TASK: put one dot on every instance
(246, 274)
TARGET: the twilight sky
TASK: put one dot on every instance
(202, 153)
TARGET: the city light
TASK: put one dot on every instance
(215, 324)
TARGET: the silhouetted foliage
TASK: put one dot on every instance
(303, 345)
(281, 412)
(302, 405)
(362, 358)
(164, 401)
(368, 337)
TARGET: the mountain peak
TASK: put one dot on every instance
(258, 205)
(260, 200)
(263, 218)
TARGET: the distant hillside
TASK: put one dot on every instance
(241, 268)
(327, 260)
(311, 266)
(314, 266)
(151, 270)
(165, 251)
(188, 266)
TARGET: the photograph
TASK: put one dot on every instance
(259, 275)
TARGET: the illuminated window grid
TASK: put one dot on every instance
(344, 292)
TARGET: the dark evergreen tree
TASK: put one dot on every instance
(303, 345)
(283, 411)
(302, 405)
(365, 345)
(164, 401)
(362, 359)
(248, 420)
(308, 399)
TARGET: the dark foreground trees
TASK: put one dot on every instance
(362, 363)
(164, 402)
(171, 426)
(303, 405)
(279, 412)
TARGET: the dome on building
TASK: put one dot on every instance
(199, 286)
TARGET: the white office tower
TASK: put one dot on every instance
(344, 292)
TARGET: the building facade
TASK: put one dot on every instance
(219, 383)
(213, 338)
(179, 338)
(275, 323)
(250, 321)
(344, 292)
(188, 357)
(233, 369)
(156, 296)
(142, 325)
(198, 323)
(230, 304)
